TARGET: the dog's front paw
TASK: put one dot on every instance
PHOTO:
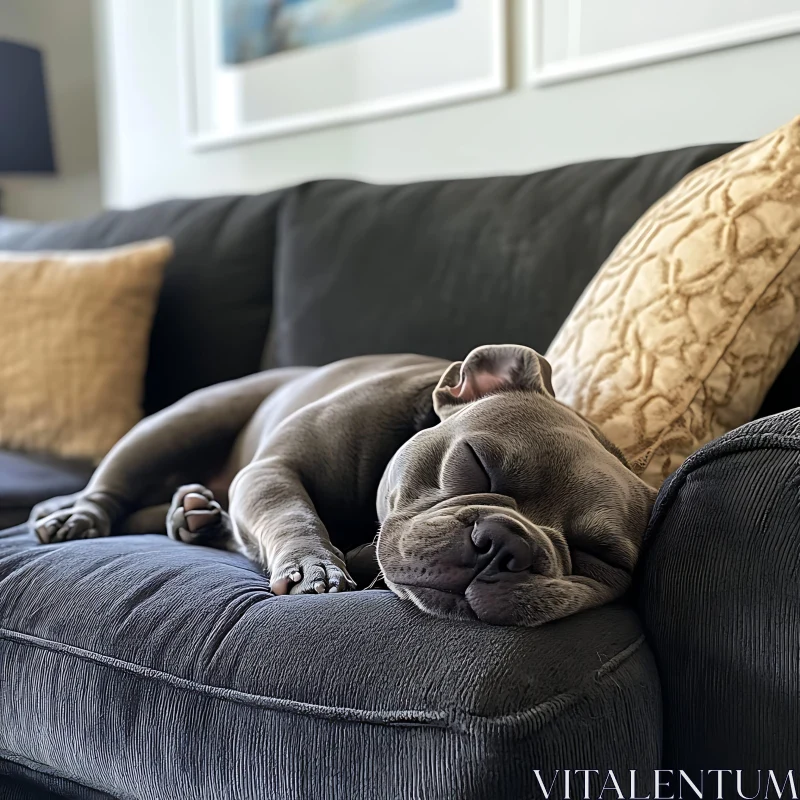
(195, 517)
(311, 573)
(75, 522)
(47, 507)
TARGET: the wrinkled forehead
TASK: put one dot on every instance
(512, 430)
(516, 420)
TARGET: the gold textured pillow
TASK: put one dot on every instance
(686, 326)
(74, 340)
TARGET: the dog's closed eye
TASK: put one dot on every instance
(463, 471)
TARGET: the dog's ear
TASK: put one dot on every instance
(491, 369)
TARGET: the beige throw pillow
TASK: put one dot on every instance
(686, 326)
(74, 339)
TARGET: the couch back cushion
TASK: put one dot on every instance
(215, 304)
(441, 267)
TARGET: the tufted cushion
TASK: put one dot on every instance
(200, 683)
(682, 332)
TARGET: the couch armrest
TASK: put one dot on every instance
(718, 588)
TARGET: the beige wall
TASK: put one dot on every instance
(63, 30)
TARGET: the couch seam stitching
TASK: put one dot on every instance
(547, 707)
(454, 719)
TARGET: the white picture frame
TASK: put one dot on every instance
(473, 36)
(577, 65)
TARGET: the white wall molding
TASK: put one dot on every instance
(577, 66)
(493, 83)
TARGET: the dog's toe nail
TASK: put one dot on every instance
(296, 577)
(333, 590)
(319, 587)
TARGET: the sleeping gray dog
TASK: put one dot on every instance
(494, 501)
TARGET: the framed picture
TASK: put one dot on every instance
(257, 68)
(572, 39)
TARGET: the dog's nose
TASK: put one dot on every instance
(500, 548)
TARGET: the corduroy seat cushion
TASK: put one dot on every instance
(140, 667)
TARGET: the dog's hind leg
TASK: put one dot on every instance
(152, 459)
(145, 520)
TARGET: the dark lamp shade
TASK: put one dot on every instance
(25, 141)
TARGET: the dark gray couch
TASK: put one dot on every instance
(136, 667)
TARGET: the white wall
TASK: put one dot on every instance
(730, 95)
(63, 30)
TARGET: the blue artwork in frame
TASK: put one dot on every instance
(254, 29)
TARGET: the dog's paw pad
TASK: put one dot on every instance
(200, 512)
(196, 518)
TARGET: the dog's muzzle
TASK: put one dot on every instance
(473, 571)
